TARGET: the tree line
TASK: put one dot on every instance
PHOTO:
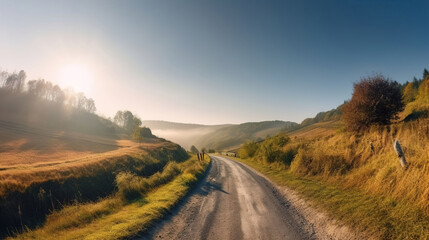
(16, 83)
(132, 124)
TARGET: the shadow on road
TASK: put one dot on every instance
(209, 186)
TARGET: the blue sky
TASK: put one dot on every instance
(217, 61)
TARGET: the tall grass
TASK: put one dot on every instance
(131, 186)
(26, 199)
(137, 204)
(350, 161)
(346, 163)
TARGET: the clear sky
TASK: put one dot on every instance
(215, 61)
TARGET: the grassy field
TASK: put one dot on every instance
(317, 130)
(44, 169)
(22, 145)
(363, 186)
(124, 214)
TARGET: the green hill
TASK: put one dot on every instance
(186, 134)
(233, 136)
(219, 137)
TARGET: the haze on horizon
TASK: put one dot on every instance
(214, 62)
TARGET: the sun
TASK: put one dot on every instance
(76, 76)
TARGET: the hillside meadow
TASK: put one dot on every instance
(356, 177)
(28, 193)
(138, 202)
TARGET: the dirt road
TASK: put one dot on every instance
(232, 202)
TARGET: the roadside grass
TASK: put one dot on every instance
(378, 216)
(117, 217)
(28, 195)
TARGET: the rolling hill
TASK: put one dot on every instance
(185, 134)
(219, 137)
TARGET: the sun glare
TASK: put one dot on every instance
(76, 76)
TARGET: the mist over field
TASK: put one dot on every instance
(186, 138)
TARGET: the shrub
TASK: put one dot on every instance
(271, 150)
(375, 101)
(248, 149)
(194, 149)
(142, 132)
(131, 186)
(289, 154)
(312, 162)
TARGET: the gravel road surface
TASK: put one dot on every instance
(232, 202)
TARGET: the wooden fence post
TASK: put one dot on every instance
(398, 150)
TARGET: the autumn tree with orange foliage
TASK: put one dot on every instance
(376, 100)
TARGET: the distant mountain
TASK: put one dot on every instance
(219, 137)
(185, 134)
(234, 136)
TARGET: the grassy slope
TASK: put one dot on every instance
(44, 168)
(21, 144)
(233, 136)
(112, 218)
(381, 217)
(367, 189)
(317, 129)
(357, 178)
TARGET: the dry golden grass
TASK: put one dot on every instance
(63, 170)
(23, 175)
(364, 186)
(317, 130)
(358, 177)
(30, 154)
(25, 145)
(113, 218)
(348, 160)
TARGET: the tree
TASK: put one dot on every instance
(81, 101)
(141, 133)
(194, 149)
(3, 76)
(20, 83)
(376, 100)
(128, 121)
(90, 105)
(58, 95)
(31, 85)
(423, 91)
(119, 118)
(425, 73)
(410, 92)
(10, 81)
(137, 122)
(15, 81)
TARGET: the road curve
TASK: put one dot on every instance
(232, 202)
